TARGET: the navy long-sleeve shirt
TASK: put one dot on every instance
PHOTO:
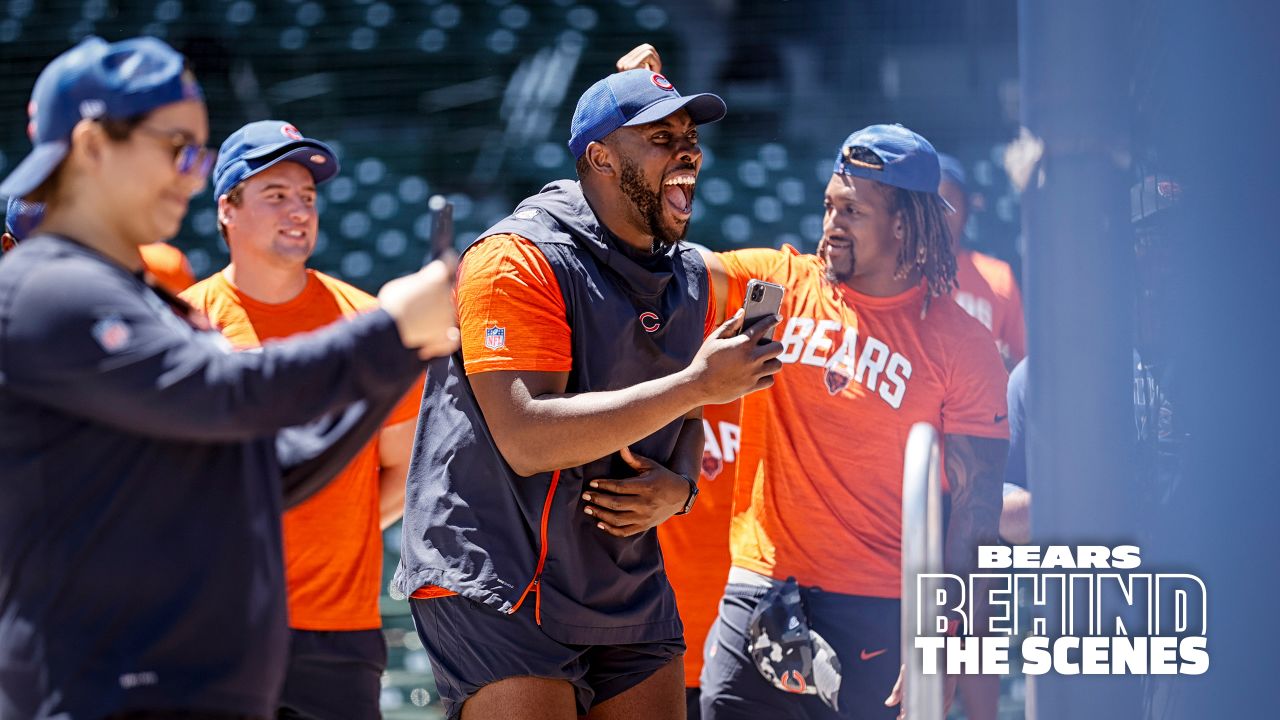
(140, 488)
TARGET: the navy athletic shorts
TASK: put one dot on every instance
(471, 646)
(692, 703)
(863, 631)
(334, 675)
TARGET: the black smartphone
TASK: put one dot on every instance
(763, 300)
(441, 228)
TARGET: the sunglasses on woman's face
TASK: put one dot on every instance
(189, 157)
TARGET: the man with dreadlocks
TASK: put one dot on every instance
(872, 343)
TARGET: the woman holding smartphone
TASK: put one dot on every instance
(143, 465)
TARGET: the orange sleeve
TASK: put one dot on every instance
(168, 265)
(974, 401)
(511, 313)
(184, 274)
(709, 323)
(197, 296)
(743, 266)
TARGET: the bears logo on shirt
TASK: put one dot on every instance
(650, 322)
(718, 447)
(846, 358)
(836, 378)
(711, 465)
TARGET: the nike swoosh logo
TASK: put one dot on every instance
(864, 655)
(1000, 418)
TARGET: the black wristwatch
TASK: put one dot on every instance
(693, 494)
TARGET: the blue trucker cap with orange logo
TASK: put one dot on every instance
(634, 97)
(266, 143)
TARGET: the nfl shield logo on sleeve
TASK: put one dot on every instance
(112, 333)
(495, 338)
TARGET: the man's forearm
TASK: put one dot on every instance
(390, 501)
(975, 472)
(395, 449)
(588, 426)
(686, 459)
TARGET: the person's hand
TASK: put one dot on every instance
(1015, 515)
(730, 365)
(635, 504)
(641, 57)
(422, 306)
(899, 693)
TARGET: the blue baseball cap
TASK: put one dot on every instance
(952, 170)
(634, 97)
(893, 155)
(21, 217)
(263, 144)
(96, 79)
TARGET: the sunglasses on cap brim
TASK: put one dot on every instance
(863, 157)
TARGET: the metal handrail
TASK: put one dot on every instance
(921, 553)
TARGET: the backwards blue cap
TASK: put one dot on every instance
(634, 97)
(893, 155)
(260, 145)
(21, 217)
(95, 79)
(952, 170)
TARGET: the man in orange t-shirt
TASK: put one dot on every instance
(266, 181)
(987, 289)
(695, 547)
(872, 343)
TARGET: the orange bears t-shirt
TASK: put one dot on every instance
(989, 292)
(168, 266)
(695, 547)
(819, 485)
(512, 316)
(333, 540)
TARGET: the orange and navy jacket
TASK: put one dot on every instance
(472, 525)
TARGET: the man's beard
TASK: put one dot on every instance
(829, 268)
(648, 203)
